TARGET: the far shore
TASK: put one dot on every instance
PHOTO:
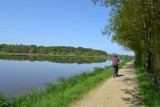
(37, 54)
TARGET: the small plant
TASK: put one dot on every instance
(4, 102)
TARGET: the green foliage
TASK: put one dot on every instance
(149, 92)
(4, 102)
(52, 50)
(135, 24)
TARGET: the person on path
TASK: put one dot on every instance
(115, 62)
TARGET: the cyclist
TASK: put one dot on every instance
(115, 62)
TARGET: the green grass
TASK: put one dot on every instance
(4, 101)
(38, 54)
(149, 93)
(64, 92)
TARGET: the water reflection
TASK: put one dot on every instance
(19, 74)
(59, 59)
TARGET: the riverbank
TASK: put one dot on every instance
(54, 58)
(51, 55)
(114, 92)
(63, 93)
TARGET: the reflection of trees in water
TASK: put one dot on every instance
(60, 59)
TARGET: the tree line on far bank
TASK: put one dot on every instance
(135, 24)
(52, 50)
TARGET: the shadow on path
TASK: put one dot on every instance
(133, 99)
(119, 75)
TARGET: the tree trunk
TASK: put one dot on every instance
(157, 69)
(149, 61)
(157, 58)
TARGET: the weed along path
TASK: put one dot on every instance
(114, 92)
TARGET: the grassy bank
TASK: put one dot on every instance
(29, 54)
(52, 55)
(149, 93)
(63, 93)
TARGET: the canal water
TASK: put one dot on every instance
(18, 76)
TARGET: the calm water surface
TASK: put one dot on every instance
(18, 77)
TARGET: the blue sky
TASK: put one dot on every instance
(76, 23)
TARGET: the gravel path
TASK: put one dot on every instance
(114, 92)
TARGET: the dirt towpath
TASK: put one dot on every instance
(114, 92)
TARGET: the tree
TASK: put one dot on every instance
(135, 24)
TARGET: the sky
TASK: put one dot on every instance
(76, 23)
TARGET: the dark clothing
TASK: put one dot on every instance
(115, 62)
(115, 69)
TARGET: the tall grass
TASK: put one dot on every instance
(64, 92)
(4, 101)
(149, 92)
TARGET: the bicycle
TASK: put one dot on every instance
(114, 72)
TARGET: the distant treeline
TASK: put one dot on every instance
(53, 50)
